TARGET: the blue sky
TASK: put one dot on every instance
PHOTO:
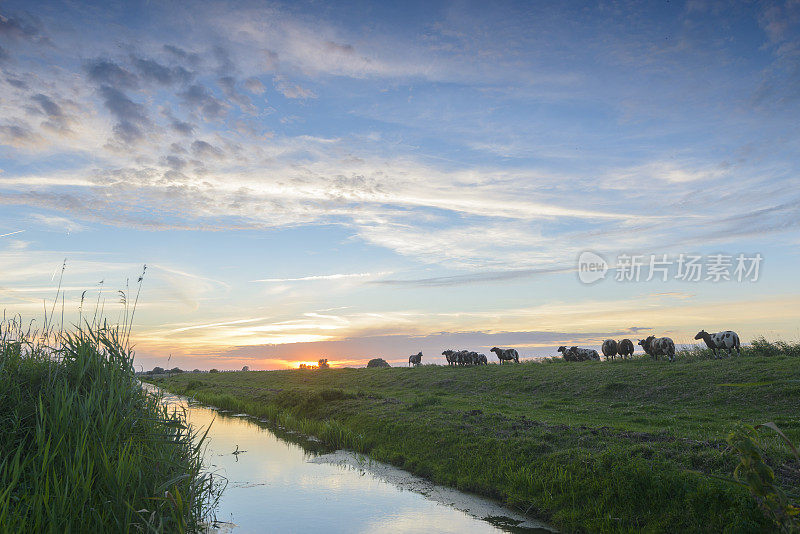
(350, 180)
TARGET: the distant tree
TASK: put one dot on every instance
(176, 370)
(245, 368)
(378, 362)
(323, 363)
(157, 371)
(197, 371)
(213, 371)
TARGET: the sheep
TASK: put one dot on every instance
(567, 354)
(645, 343)
(472, 358)
(458, 357)
(625, 348)
(415, 359)
(658, 346)
(506, 354)
(574, 354)
(727, 340)
(609, 348)
(587, 354)
(477, 359)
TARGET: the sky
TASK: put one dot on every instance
(353, 180)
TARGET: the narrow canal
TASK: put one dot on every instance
(283, 482)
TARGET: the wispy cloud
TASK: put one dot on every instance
(477, 278)
(58, 223)
(12, 233)
(337, 276)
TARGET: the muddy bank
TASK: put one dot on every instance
(473, 505)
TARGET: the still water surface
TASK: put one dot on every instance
(290, 484)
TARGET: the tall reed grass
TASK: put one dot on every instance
(83, 447)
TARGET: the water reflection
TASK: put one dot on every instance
(280, 486)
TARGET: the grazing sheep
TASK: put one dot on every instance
(469, 357)
(625, 348)
(574, 354)
(415, 359)
(506, 354)
(458, 357)
(567, 354)
(658, 346)
(609, 348)
(727, 340)
(464, 357)
(645, 343)
(587, 354)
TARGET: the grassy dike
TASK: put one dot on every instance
(590, 446)
(83, 448)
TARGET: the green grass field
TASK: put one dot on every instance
(595, 446)
(83, 448)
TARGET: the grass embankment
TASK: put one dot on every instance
(598, 446)
(83, 448)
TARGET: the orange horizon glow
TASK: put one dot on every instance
(771, 317)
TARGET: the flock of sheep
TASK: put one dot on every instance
(653, 346)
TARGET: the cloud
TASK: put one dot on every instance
(62, 224)
(434, 203)
(180, 53)
(778, 19)
(394, 336)
(174, 162)
(18, 244)
(340, 48)
(19, 135)
(152, 70)
(15, 82)
(490, 220)
(131, 116)
(216, 325)
(338, 276)
(228, 85)
(292, 90)
(477, 278)
(225, 65)
(107, 73)
(198, 99)
(669, 171)
(395, 348)
(57, 119)
(202, 148)
(254, 85)
(780, 80)
(183, 127)
(23, 26)
(12, 233)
